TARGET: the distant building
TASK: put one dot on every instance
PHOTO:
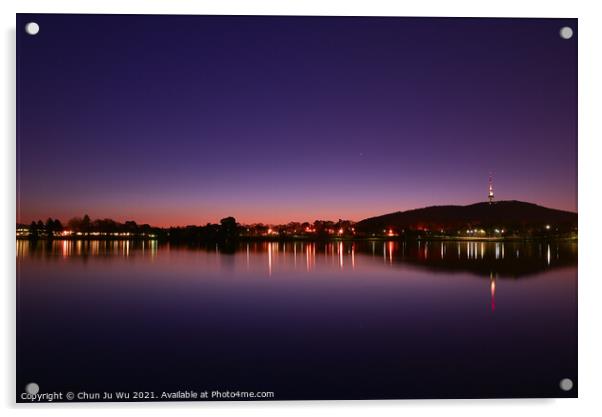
(490, 194)
(22, 230)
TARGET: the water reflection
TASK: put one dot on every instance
(287, 316)
(87, 248)
(492, 289)
(483, 259)
(504, 259)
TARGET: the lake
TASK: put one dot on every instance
(335, 320)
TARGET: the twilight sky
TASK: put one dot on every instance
(175, 120)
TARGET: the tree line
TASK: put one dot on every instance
(226, 230)
(85, 226)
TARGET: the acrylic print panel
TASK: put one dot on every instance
(295, 208)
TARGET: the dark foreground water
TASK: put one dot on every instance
(303, 320)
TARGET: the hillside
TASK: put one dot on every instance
(512, 215)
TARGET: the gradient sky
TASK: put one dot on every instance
(175, 120)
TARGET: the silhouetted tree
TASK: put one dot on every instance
(75, 224)
(130, 226)
(229, 229)
(52, 226)
(86, 224)
(33, 230)
(323, 227)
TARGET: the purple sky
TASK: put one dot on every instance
(174, 120)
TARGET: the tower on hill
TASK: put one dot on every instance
(490, 194)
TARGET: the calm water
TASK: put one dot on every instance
(304, 320)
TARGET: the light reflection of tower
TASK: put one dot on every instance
(270, 258)
(490, 194)
(492, 287)
(248, 257)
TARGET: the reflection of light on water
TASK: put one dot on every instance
(95, 247)
(329, 255)
(22, 248)
(492, 287)
(307, 257)
(310, 253)
(153, 246)
(270, 259)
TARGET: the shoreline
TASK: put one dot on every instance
(310, 239)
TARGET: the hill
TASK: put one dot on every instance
(514, 216)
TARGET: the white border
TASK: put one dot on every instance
(590, 137)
